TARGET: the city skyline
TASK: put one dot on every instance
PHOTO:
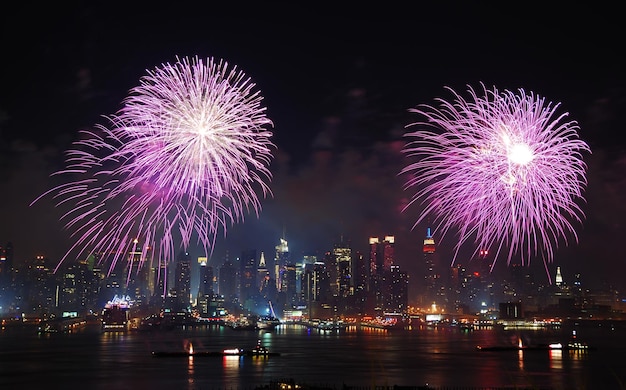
(338, 88)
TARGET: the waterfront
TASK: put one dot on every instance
(429, 357)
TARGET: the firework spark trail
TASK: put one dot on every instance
(502, 169)
(187, 154)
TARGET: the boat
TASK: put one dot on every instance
(256, 351)
(572, 345)
(115, 316)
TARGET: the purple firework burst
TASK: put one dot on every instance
(186, 155)
(503, 169)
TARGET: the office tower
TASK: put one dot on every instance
(398, 298)
(281, 259)
(227, 282)
(361, 280)
(388, 252)
(373, 259)
(40, 299)
(95, 286)
(159, 279)
(432, 276)
(300, 276)
(205, 287)
(182, 281)
(330, 261)
(316, 289)
(289, 284)
(5, 267)
(343, 261)
(8, 287)
(381, 260)
(73, 288)
(137, 276)
(361, 272)
(248, 276)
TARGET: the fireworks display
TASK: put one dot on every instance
(503, 170)
(184, 158)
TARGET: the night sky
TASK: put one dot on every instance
(337, 81)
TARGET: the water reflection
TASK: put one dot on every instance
(556, 359)
(437, 357)
(190, 372)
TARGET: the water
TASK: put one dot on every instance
(434, 358)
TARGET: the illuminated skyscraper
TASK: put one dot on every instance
(381, 260)
(281, 259)
(182, 281)
(429, 242)
(316, 289)
(205, 288)
(343, 260)
(137, 276)
(432, 277)
(206, 277)
(388, 252)
(559, 278)
(262, 271)
(398, 292)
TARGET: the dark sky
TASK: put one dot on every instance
(337, 79)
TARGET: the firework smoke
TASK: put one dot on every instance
(501, 169)
(184, 157)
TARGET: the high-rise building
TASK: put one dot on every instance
(8, 287)
(559, 278)
(373, 259)
(388, 251)
(381, 261)
(248, 275)
(159, 279)
(398, 293)
(205, 288)
(227, 281)
(262, 271)
(432, 277)
(137, 276)
(316, 289)
(182, 281)
(281, 259)
(206, 277)
(289, 291)
(343, 261)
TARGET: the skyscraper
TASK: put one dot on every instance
(206, 277)
(381, 261)
(227, 282)
(182, 281)
(248, 276)
(205, 288)
(343, 260)
(432, 276)
(281, 259)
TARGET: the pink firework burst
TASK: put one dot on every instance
(185, 157)
(503, 170)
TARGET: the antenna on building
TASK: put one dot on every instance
(262, 260)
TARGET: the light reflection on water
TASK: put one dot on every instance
(441, 357)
